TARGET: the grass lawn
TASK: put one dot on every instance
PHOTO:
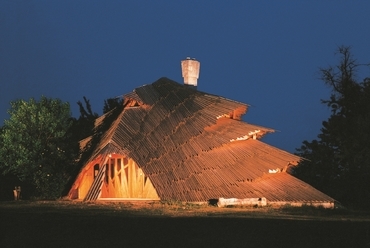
(81, 224)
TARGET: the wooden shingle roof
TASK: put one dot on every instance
(194, 147)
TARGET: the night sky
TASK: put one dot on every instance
(263, 53)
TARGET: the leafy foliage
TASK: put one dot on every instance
(338, 162)
(39, 143)
(37, 146)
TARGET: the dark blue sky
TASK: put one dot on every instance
(263, 53)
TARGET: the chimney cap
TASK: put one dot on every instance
(190, 71)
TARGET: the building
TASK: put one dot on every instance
(173, 142)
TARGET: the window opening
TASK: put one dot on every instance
(96, 170)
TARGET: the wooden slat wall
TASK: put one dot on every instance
(95, 189)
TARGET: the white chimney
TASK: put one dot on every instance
(190, 71)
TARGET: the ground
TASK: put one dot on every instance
(156, 224)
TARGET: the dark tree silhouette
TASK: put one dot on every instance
(338, 162)
(83, 126)
(112, 103)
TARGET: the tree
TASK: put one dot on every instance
(83, 126)
(338, 162)
(112, 103)
(37, 146)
